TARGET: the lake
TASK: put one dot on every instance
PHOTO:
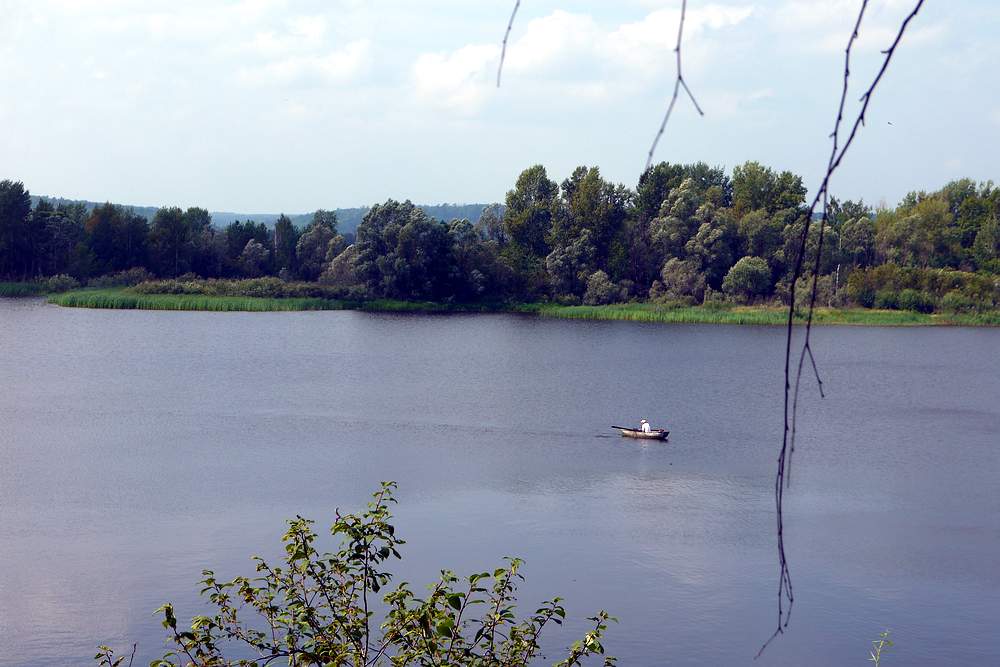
(138, 448)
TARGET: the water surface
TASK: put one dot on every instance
(137, 448)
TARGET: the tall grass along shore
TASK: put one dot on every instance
(126, 299)
(19, 290)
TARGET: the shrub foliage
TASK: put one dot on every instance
(319, 608)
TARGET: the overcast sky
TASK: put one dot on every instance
(271, 105)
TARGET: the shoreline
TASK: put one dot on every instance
(121, 299)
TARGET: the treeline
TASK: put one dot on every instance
(685, 233)
(348, 218)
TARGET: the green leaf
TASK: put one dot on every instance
(445, 627)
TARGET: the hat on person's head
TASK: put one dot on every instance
(642, 421)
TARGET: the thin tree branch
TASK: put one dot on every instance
(679, 82)
(506, 36)
(837, 152)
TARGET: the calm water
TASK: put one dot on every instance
(137, 448)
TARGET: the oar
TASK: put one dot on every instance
(627, 428)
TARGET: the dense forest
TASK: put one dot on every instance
(686, 233)
(348, 218)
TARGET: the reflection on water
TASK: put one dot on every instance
(139, 447)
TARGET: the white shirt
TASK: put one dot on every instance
(646, 428)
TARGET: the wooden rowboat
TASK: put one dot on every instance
(656, 434)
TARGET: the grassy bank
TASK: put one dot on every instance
(18, 290)
(123, 298)
(764, 315)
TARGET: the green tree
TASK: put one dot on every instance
(712, 182)
(715, 244)
(402, 253)
(588, 202)
(601, 290)
(423, 267)
(792, 242)
(986, 248)
(340, 271)
(62, 233)
(681, 280)
(528, 215)
(750, 277)
(857, 241)
(490, 226)
(654, 186)
(171, 241)
(763, 235)
(920, 234)
(758, 187)
(15, 239)
(570, 265)
(479, 272)
(677, 221)
(236, 236)
(314, 246)
(207, 252)
(326, 219)
(117, 237)
(254, 259)
(286, 237)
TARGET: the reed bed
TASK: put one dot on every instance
(124, 300)
(128, 299)
(18, 290)
(763, 315)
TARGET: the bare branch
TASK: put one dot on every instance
(837, 152)
(679, 82)
(506, 36)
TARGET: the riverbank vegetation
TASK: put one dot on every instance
(667, 313)
(317, 608)
(686, 234)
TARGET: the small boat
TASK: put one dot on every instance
(655, 434)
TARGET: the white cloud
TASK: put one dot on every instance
(457, 80)
(570, 55)
(825, 26)
(336, 67)
(729, 104)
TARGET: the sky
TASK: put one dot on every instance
(293, 105)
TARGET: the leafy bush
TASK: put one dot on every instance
(340, 271)
(314, 609)
(61, 283)
(957, 302)
(748, 278)
(126, 278)
(826, 295)
(601, 291)
(863, 296)
(681, 281)
(921, 302)
(267, 288)
(863, 286)
(886, 299)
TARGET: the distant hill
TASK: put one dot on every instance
(349, 218)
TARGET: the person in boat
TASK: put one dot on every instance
(645, 427)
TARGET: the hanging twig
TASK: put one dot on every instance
(506, 36)
(679, 83)
(837, 152)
